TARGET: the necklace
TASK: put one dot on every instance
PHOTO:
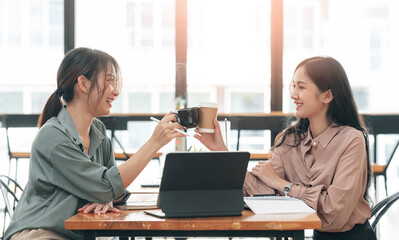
(311, 134)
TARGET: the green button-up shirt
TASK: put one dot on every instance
(62, 177)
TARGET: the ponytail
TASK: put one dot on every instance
(51, 109)
(77, 62)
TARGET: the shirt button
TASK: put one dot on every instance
(314, 143)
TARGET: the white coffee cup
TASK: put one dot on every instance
(208, 113)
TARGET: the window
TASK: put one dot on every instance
(36, 22)
(56, 23)
(308, 28)
(243, 102)
(13, 17)
(139, 102)
(138, 133)
(1, 22)
(131, 22)
(11, 102)
(229, 50)
(132, 31)
(196, 97)
(166, 100)
(168, 26)
(27, 52)
(46, 23)
(147, 24)
(361, 96)
(290, 28)
(228, 58)
(39, 99)
(365, 46)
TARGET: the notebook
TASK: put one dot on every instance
(139, 201)
(199, 184)
(277, 204)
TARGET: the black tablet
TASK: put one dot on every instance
(196, 184)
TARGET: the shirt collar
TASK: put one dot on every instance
(65, 119)
(324, 138)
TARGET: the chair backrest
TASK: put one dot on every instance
(382, 207)
(10, 190)
(22, 122)
(392, 155)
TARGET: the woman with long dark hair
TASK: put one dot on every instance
(72, 165)
(323, 158)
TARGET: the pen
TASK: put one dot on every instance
(177, 130)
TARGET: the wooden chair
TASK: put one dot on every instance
(10, 121)
(381, 170)
(274, 122)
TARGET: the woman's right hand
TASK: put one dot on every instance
(213, 141)
(164, 132)
(98, 208)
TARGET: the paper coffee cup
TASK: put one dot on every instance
(208, 113)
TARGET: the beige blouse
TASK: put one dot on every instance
(333, 184)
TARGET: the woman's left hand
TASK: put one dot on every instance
(264, 171)
(98, 208)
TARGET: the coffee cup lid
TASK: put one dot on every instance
(208, 104)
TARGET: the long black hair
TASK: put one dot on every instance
(77, 62)
(328, 74)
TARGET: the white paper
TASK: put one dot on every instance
(276, 204)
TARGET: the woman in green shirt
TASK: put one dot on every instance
(72, 166)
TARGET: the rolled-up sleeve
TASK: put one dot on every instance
(111, 163)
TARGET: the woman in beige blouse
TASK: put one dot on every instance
(323, 158)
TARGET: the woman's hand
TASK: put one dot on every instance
(265, 172)
(98, 208)
(213, 141)
(164, 132)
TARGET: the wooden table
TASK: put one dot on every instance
(138, 224)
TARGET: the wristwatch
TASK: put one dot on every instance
(287, 189)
